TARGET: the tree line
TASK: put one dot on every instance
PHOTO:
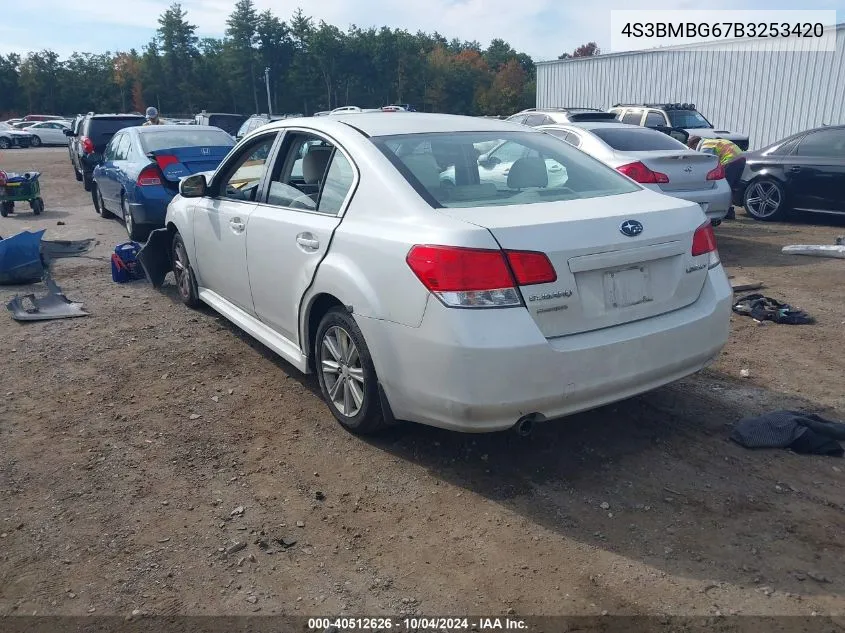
(312, 66)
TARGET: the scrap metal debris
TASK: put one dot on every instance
(53, 305)
(816, 250)
(55, 249)
(20, 258)
(155, 256)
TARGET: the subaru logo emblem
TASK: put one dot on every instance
(631, 228)
(205, 151)
(688, 169)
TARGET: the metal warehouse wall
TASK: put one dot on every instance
(767, 94)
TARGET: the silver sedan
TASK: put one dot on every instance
(655, 160)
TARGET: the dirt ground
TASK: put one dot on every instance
(115, 496)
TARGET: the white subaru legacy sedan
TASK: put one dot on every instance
(484, 300)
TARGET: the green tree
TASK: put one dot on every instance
(241, 38)
(177, 41)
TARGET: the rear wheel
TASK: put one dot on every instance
(136, 232)
(6, 208)
(99, 203)
(346, 373)
(184, 274)
(764, 199)
(36, 141)
(37, 206)
(77, 173)
(5, 143)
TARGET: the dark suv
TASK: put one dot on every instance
(89, 140)
(230, 123)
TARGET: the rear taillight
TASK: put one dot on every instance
(716, 174)
(148, 177)
(164, 160)
(704, 243)
(87, 145)
(478, 278)
(638, 172)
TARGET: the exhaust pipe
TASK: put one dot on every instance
(524, 425)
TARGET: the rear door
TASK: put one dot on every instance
(290, 231)
(221, 222)
(815, 172)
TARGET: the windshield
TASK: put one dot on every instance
(483, 169)
(687, 119)
(152, 141)
(637, 139)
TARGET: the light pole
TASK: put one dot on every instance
(267, 85)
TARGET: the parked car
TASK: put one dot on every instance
(406, 106)
(534, 117)
(141, 168)
(48, 132)
(230, 123)
(73, 139)
(803, 172)
(465, 307)
(43, 117)
(12, 121)
(10, 137)
(254, 122)
(21, 125)
(654, 160)
(675, 115)
(93, 134)
(346, 110)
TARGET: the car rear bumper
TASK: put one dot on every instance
(715, 201)
(482, 370)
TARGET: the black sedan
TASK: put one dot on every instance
(804, 172)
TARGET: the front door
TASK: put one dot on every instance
(221, 222)
(815, 172)
(291, 229)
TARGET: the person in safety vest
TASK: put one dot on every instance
(729, 155)
(152, 117)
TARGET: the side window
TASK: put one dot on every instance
(121, 151)
(111, 148)
(300, 173)
(337, 184)
(823, 143)
(535, 119)
(633, 117)
(242, 178)
(519, 118)
(573, 139)
(508, 152)
(654, 119)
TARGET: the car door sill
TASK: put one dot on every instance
(255, 328)
(827, 211)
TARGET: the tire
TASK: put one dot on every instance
(764, 199)
(5, 143)
(37, 206)
(76, 173)
(6, 208)
(36, 141)
(346, 374)
(99, 203)
(87, 181)
(186, 282)
(136, 232)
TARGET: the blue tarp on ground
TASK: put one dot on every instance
(20, 258)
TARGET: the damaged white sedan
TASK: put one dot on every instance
(392, 256)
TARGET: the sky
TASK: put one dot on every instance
(542, 28)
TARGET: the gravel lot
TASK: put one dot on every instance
(139, 442)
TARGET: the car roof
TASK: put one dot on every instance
(154, 129)
(395, 123)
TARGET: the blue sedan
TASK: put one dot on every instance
(142, 166)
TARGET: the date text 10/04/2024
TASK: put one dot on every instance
(417, 624)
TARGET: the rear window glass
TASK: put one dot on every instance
(231, 123)
(101, 130)
(687, 119)
(637, 139)
(485, 169)
(153, 141)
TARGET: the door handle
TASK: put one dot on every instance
(308, 243)
(795, 169)
(237, 225)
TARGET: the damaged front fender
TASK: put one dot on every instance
(155, 256)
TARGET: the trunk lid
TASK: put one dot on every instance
(687, 170)
(177, 162)
(604, 277)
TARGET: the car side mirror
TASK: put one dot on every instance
(193, 186)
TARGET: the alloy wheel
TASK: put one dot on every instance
(181, 272)
(342, 371)
(763, 199)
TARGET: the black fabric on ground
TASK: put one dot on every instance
(802, 432)
(767, 309)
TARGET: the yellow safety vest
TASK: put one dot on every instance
(721, 147)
